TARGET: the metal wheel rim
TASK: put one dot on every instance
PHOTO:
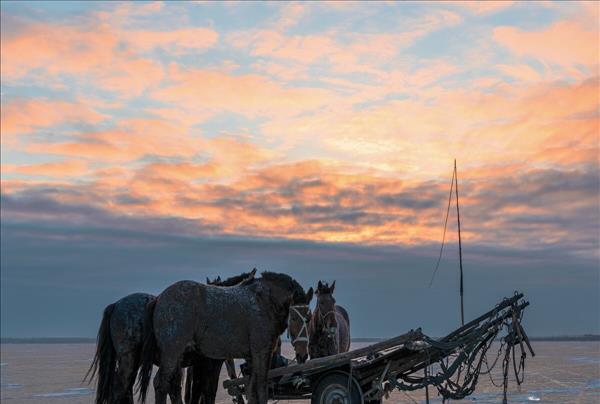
(335, 394)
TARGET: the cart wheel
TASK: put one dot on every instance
(333, 389)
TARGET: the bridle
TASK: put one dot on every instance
(322, 317)
(303, 335)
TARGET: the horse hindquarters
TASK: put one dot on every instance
(148, 352)
(105, 359)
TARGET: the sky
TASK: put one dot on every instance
(148, 142)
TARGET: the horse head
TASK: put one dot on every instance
(298, 321)
(325, 320)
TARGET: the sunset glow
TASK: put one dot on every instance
(317, 121)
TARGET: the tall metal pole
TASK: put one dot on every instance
(462, 309)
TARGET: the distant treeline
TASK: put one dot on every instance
(586, 337)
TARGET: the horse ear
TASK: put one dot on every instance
(319, 286)
(207, 281)
(252, 273)
(309, 295)
(332, 287)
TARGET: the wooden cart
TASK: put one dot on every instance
(368, 374)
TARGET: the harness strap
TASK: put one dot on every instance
(304, 328)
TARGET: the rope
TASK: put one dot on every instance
(460, 359)
(437, 265)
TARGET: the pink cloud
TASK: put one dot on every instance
(130, 140)
(565, 43)
(60, 169)
(24, 116)
(520, 72)
(100, 52)
(177, 41)
(209, 90)
(483, 7)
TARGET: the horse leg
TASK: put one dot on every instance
(162, 380)
(251, 385)
(129, 367)
(198, 383)
(122, 385)
(261, 362)
(175, 387)
(212, 380)
(189, 376)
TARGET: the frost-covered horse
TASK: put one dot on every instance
(329, 327)
(205, 375)
(242, 321)
(119, 349)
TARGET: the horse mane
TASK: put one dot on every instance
(287, 282)
(235, 280)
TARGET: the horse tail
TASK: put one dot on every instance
(105, 359)
(189, 374)
(148, 352)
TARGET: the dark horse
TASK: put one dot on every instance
(329, 326)
(119, 349)
(206, 375)
(242, 321)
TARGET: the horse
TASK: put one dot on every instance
(242, 321)
(329, 327)
(207, 374)
(298, 323)
(119, 347)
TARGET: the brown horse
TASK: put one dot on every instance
(298, 323)
(329, 328)
(242, 321)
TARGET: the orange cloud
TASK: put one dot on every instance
(208, 90)
(520, 72)
(483, 7)
(476, 127)
(131, 77)
(132, 139)
(110, 54)
(66, 168)
(565, 43)
(177, 41)
(24, 116)
(360, 52)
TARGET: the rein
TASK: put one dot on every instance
(304, 329)
(329, 331)
(322, 316)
